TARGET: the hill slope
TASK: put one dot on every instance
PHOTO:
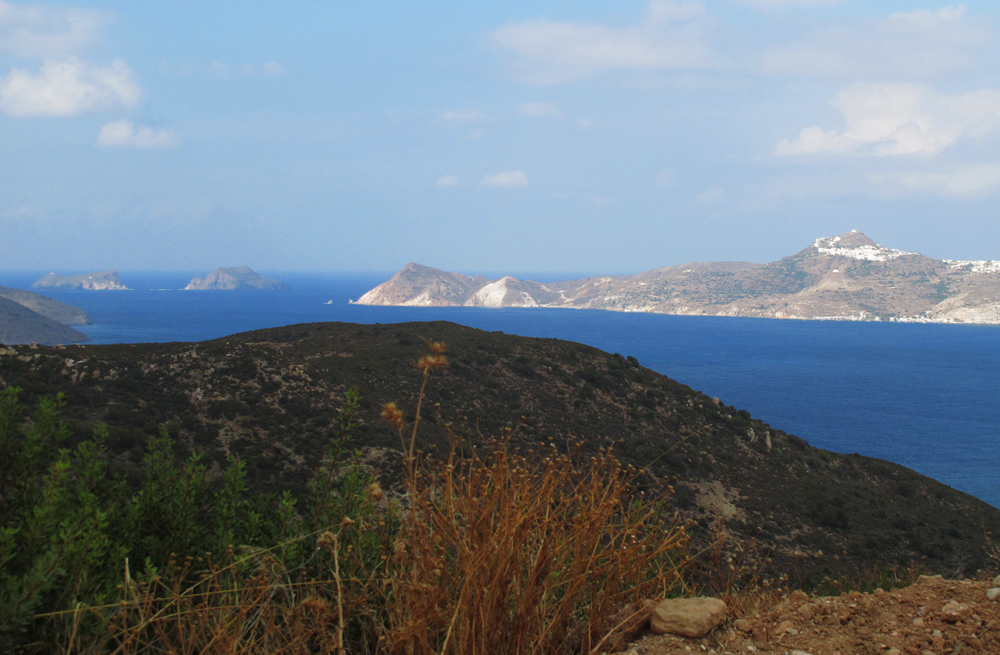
(19, 325)
(270, 396)
(50, 307)
(847, 277)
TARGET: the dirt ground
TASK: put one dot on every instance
(934, 616)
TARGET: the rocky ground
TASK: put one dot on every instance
(933, 617)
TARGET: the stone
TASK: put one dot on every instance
(799, 652)
(996, 581)
(743, 625)
(893, 651)
(993, 594)
(953, 612)
(786, 626)
(807, 612)
(689, 617)
(799, 596)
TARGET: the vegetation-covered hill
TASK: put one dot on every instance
(270, 396)
(55, 309)
(19, 324)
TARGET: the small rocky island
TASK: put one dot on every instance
(237, 278)
(103, 281)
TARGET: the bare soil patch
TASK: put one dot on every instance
(934, 616)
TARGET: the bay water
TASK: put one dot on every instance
(924, 396)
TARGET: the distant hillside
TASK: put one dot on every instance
(236, 278)
(50, 307)
(271, 396)
(19, 325)
(847, 277)
(103, 281)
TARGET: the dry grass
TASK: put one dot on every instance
(227, 611)
(523, 553)
(251, 605)
(527, 554)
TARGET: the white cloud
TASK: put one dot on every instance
(712, 196)
(40, 31)
(672, 36)
(67, 87)
(462, 116)
(221, 71)
(772, 5)
(124, 133)
(540, 110)
(272, 69)
(447, 180)
(506, 179)
(913, 45)
(899, 119)
(666, 178)
(963, 182)
(585, 123)
(24, 211)
(959, 182)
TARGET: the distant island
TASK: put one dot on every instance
(236, 278)
(103, 281)
(846, 278)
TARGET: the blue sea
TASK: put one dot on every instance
(925, 396)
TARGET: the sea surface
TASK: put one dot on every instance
(925, 396)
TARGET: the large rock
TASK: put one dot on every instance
(689, 617)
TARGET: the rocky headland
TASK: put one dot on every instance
(235, 278)
(102, 281)
(846, 277)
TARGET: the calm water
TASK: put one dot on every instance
(925, 396)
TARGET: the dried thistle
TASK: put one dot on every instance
(392, 415)
(431, 362)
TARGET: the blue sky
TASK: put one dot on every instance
(542, 136)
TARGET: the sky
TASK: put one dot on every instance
(543, 136)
